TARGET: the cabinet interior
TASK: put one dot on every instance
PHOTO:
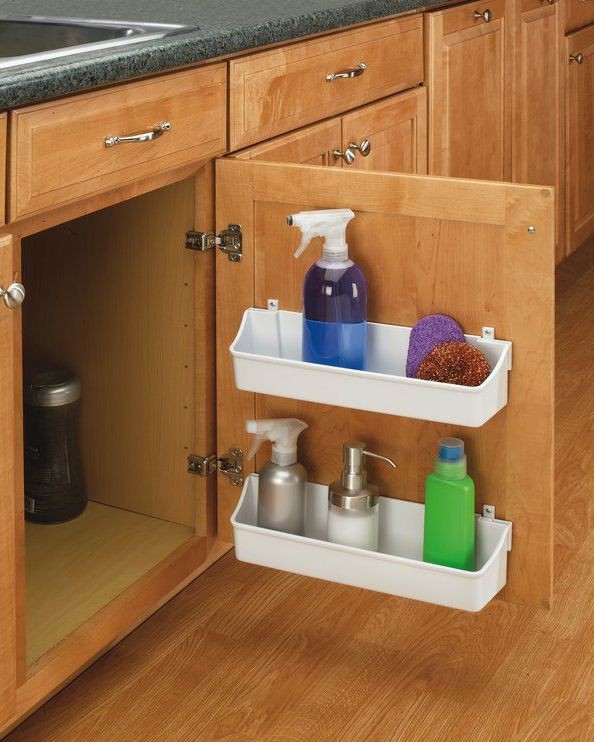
(112, 297)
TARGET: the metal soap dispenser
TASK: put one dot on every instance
(353, 502)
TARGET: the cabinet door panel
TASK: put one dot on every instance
(425, 244)
(313, 145)
(397, 131)
(580, 138)
(538, 144)
(467, 92)
(11, 499)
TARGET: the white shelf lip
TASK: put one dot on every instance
(400, 520)
(269, 339)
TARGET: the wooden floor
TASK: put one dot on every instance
(73, 569)
(246, 653)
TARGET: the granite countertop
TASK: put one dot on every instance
(225, 27)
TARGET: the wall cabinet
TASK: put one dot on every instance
(579, 66)
(467, 49)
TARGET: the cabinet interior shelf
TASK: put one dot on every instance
(76, 568)
(267, 359)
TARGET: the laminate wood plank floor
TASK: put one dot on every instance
(246, 653)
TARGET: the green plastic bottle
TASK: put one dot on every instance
(449, 509)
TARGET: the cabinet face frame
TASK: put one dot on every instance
(450, 218)
(11, 487)
(579, 124)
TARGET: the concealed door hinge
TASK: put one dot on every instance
(228, 241)
(231, 465)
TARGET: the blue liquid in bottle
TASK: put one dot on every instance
(335, 314)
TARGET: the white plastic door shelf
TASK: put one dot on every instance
(397, 568)
(267, 359)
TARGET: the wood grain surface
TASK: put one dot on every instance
(247, 653)
(425, 245)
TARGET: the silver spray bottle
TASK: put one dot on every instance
(281, 488)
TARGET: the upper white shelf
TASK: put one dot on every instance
(267, 359)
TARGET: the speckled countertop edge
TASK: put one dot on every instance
(43, 81)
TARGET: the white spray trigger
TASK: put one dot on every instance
(283, 434)
(330, 224)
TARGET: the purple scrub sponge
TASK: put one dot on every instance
(428, 333)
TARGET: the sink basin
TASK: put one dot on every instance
(28, 39)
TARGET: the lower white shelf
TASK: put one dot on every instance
(397, 568)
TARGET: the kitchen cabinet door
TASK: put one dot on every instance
(11, 497)
(313, 145)
(393, 132)
(467, 78)
(538, 144)
(579, 66)
(426, 245)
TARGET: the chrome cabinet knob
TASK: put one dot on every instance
(348, 155)
(484, 14)
(579, 58)
(364, 147)
(14, 295)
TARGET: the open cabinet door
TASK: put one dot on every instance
(482, 252)
(10, 487)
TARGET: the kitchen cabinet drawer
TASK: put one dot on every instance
(276, 91)
(2, 165)
(60, 152)
(578, 13)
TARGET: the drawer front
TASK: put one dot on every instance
(59, 152)
(2, 165)
(280, 90)
(578, 13)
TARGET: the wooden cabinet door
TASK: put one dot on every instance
(396, 130)
(313, 145)
(11, 515)
(426, 244)
(538, 144)
(467, 47)
(580, 136)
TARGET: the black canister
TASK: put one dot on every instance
(54, 482)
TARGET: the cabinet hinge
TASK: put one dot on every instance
(228, 241)
(231, 465)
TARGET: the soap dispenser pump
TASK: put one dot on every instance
(353, 502)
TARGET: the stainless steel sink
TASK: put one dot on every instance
(28, 39)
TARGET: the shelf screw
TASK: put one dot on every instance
(532, 229)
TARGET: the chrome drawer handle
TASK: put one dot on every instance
(579, 58)
(364, 147)
(348, 155)
(347, 74)
(146, 136)
(485, 15)
(14, 295)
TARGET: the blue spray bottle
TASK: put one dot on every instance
(334, 293)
